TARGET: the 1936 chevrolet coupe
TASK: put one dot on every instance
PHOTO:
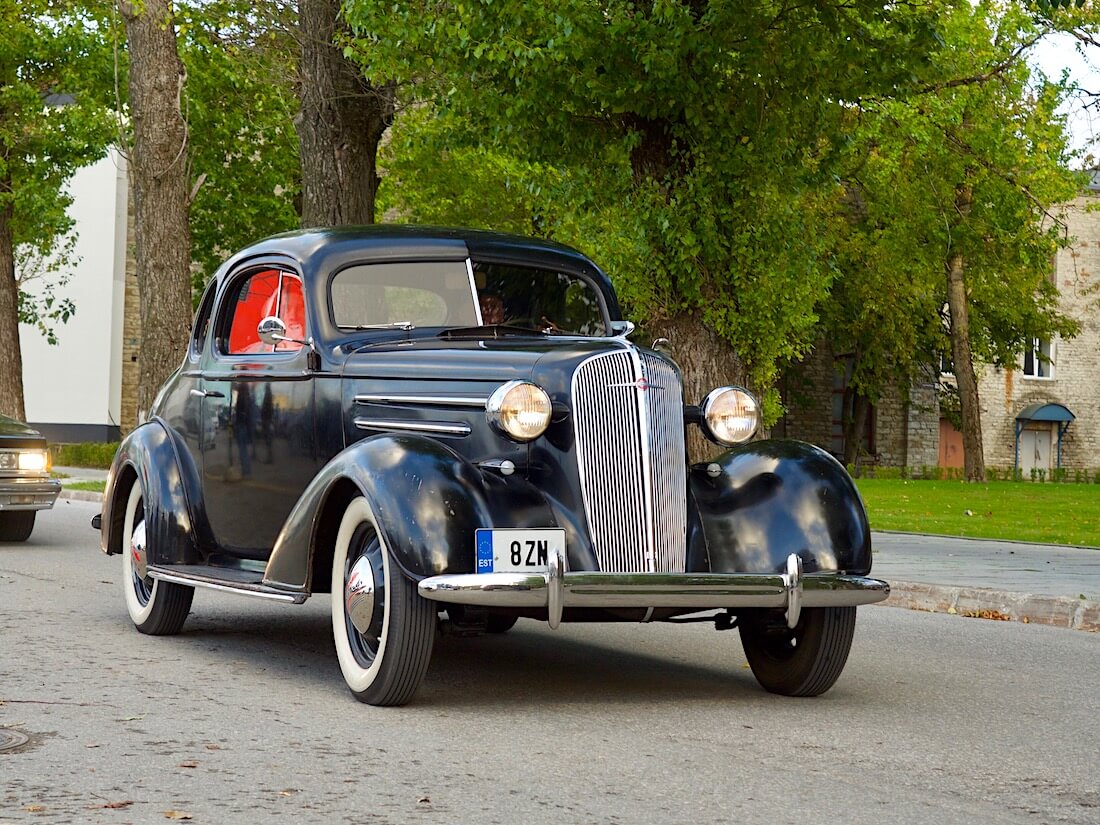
(424, 421)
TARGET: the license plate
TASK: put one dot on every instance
(517, 551)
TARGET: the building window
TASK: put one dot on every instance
(1039, 359)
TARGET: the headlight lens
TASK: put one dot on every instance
(519, 410)
(731, 415)
(34, 461)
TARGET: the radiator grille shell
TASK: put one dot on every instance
(629, 422)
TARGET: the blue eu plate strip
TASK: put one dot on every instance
(484, 550)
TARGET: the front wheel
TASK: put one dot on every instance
(383, 628)
(156, 607)
(16, 525)
(805, 661)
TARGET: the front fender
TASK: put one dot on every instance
(768, 499)
(427, 498)
(151, 456)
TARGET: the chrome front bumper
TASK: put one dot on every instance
(557, 589)
(28, 493)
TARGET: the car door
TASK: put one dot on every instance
(258, 405)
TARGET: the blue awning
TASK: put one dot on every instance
(1045, 412)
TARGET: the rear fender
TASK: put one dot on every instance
(762, 501)
(428, 501)
(151, 456)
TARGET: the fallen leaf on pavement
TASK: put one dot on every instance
(123, 804)
(177, 815)
(190, 763)
(34, 809)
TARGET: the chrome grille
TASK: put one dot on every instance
(630, 448)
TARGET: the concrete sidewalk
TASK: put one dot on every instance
(1007, 581)
(72, 475)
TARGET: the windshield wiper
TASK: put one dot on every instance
(405, 325)
(490, 331)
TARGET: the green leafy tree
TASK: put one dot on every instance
(240, 101)
(51, 123)
(951, 230)
(710, 128)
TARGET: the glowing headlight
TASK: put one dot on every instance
(34, 461)
(731, 415)
(519, 410)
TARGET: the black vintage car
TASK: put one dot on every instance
(430, 421)
(25, 483)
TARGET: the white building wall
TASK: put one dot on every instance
(73, 389)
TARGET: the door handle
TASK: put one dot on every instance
(207, 393)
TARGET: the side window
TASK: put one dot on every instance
(292, 311)
(263, 293)
(202, 320)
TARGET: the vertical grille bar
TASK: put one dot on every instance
(630, 449)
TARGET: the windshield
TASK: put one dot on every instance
(541, 299)
(426, 294)
(443, 294)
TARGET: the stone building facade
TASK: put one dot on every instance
(903, 430)
(1071, 376)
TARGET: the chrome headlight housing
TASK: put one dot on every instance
(731, 415)
(519, 410)
(27, 461)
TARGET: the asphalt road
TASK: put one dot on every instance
(937, 719)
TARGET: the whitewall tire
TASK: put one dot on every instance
(383, 629)
(156, 607)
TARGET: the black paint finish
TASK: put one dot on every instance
(774, 498)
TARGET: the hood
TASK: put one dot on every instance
(16, 434)
(484, 359)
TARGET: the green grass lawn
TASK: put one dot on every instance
(91, 486)
(1017, 511)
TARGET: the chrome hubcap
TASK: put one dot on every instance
(137, 551)
(359, 594)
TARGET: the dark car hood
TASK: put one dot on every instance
(16, 434)
(487, 359)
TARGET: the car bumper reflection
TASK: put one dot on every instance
(28, 493)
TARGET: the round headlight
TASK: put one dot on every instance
(731, 415)
(519, 410)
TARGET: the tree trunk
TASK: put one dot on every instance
(856, 409)
(11, 356)
(965, 377)
(159, 178)
(342, 120)
(707, 361)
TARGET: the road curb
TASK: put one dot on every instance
(983, 603)
(81, 495)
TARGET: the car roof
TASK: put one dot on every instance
(325, 249)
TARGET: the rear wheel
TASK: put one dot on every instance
(16, 525)
(383, 628)
(156, 607)
(805, 661)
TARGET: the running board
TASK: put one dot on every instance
(230, 580)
